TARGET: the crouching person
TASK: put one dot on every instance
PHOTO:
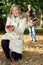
(13, 38)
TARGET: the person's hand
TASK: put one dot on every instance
(30, 23)
(34, 23)
(10, 28)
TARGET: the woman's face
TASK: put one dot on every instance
(15, 11)
(29, 7)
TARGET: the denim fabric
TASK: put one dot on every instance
(32, 33)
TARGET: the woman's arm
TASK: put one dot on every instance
(35, 21)
(22, 26)
(8, 26)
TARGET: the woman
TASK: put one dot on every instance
(13, 39)
(32, 20)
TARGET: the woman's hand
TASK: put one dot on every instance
(10, 28)
(30, 23)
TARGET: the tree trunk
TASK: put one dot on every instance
(41, 21)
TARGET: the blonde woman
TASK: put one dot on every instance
(13, 38)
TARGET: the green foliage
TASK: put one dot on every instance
(37, 4)
(6, 4)
(38, 31)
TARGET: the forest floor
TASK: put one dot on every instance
(32, 52)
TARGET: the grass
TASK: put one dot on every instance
(38, 31)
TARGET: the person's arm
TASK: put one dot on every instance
(8, 26)
(22, 26)
(35, 21)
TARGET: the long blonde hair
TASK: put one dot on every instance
(10, 13)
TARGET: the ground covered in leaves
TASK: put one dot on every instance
(32, 52)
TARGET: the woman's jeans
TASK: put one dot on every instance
(32, 33)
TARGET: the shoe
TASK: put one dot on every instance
(8, 61)
(3, 63)
(35, 41)
(30, 41)
(14, 63)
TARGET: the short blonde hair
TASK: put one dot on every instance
(12, 8)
